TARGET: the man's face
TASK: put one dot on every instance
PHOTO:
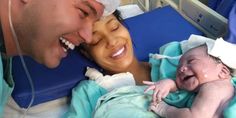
(47, 28)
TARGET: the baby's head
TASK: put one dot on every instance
(197, 67)
(111, 47)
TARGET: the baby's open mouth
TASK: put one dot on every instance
(186, 78)
(66, 44)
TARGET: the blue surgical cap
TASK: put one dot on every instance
(232, 26)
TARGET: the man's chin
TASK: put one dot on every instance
(51, 63)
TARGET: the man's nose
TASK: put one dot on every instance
(86, 32)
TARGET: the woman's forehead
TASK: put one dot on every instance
(106, 18)
(103, 22)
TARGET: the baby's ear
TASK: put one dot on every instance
(224, 72)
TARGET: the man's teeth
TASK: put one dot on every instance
(118, 52)
(65, 50)
(67, 43)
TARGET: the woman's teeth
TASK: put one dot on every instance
(119, 52)
(66, 44)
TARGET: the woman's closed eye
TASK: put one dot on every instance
(96, 39)
(114, 25)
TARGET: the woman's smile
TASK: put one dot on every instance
(119, 53)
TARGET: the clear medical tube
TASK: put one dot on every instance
(22, 59)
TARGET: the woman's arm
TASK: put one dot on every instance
(84, 99)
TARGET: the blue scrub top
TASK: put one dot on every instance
(232, 25)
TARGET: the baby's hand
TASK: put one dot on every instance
(161, 89)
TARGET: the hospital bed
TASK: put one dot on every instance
(174, 21)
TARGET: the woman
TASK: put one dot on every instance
(111, 49)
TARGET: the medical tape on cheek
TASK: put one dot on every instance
(110, 6)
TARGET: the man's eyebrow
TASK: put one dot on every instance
(92, 8)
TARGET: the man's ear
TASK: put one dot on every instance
(224, 72)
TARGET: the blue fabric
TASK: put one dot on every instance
(125, 102)
(223, 7)
(232, 26)
(89, 100)
(49, 84)
(214, 3)
(149, 31)
(84, 98)
(152, 30)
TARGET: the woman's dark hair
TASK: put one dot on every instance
(117, 14)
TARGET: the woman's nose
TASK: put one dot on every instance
(111, 41)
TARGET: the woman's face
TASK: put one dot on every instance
(111, 46)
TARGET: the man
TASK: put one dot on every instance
(44, 30)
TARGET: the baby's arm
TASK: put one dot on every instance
(210, 101)
(161, 89)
